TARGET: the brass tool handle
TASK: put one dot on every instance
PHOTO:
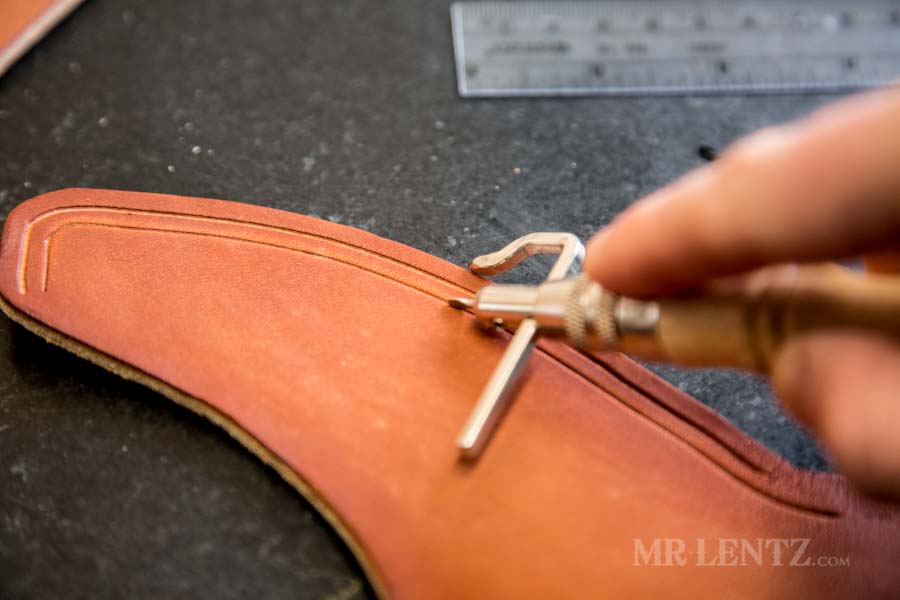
(745, 327)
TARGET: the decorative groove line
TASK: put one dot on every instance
(573, 367)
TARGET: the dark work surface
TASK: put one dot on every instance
(343, 110)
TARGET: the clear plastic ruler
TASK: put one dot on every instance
(673, 46)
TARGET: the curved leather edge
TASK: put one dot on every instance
(27, 25)
(197, 406)
(719, 441)
(676, 416)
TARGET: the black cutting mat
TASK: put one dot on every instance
(343, 110)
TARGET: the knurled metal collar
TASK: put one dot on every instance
(590, 310)
(604, 319)
(574, 317)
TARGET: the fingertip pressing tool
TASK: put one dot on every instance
(730, 326)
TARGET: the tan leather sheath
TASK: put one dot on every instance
(332, 354)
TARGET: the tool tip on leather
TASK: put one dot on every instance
(461, 303)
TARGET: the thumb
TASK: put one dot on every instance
(846, 386)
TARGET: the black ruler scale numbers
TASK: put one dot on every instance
(673, 46)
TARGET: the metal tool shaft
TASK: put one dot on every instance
(496, 395)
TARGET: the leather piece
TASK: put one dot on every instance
(335, 351)
(24, 22)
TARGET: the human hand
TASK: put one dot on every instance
(825, 187)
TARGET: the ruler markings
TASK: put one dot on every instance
(539, 48)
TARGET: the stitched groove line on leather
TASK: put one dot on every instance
(386, 275)
(36, 219)
(676, 412)
(392, 278)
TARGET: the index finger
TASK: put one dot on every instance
(827, 186)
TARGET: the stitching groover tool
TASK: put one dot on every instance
(743, 324)
(506, 305)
